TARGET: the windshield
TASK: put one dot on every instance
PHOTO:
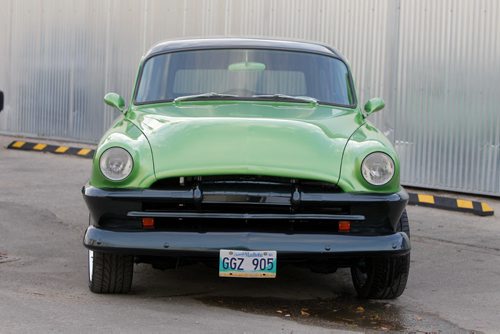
(245, 74)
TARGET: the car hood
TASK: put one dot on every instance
(287, 139)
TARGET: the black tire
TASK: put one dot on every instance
(110, 273)
(383, 277)
(404, 224)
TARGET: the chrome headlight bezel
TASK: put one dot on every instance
(109, 160)
(378, 168)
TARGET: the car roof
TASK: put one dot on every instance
(257, 43)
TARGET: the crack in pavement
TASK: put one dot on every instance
(425, 239)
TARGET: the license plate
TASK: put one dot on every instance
(247, 264)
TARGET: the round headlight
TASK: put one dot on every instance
(377, 168)
(116, 163)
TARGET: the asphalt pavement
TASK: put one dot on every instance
(454, 284)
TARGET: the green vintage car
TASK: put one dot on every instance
(246, 154)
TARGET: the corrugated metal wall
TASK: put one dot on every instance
(447, 124)
(436, 63)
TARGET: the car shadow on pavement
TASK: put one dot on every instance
(326, 300)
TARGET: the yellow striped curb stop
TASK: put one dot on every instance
(57, 149)
(450, 203)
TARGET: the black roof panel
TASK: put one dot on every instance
(209, 43)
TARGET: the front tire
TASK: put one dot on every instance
(384, 277)
(110, 273)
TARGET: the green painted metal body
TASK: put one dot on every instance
(196, 138)
(271, 138)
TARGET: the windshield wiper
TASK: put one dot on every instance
(284, 97)
(203, 96)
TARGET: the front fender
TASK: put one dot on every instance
(365, 140)
(128, 136)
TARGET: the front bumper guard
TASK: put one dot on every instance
(209, 244)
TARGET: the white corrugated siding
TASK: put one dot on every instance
(447, 124)
(436, 63)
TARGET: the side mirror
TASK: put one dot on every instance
(1, 100)
(115, 100)
(374, 105)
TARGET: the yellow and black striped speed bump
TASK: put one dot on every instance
(449, 203)
(57, 149)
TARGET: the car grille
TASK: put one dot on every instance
(245, 195)
(261, 182)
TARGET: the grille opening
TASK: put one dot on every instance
(252, 181)
(156, 206)
(241, 225)
(244, 194)
(264, 226)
